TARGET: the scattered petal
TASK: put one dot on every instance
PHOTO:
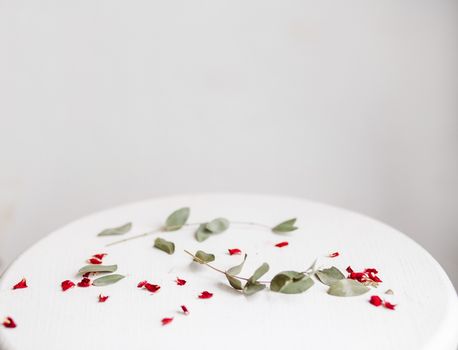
(85, 282)
(9, 323)
(180, 282)
(141, 284)
(153, 288)
(99, 256)
(234, 251)
(376, 300)
(185, 309)
(103, 298)
(388, 305)
(389, 292)
(87, 274)
(67, 284)
(367, 277)
(166, 320)
(95, 261)
(281, 244)
(205, 295)
(22, 284)
(334, 255)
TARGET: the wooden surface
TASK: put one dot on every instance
(426, 316)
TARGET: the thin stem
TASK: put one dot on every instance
(133, 237)
(251, 224)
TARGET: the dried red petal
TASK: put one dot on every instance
(388, 305)
(85, 282)
(9, 323)
(185, 309)
(95, 261)
(368, 275)
(376, 300)
(141, 284)
(234, 251)
(21, 284)
(205, 295)
(67, 284)
(281, 244)
(349, 269)
(87, 274)
(334, 255)
(103, 298)
(99, 256)
(153, 288)
(166, 320)
(180, 282)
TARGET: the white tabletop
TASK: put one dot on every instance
(426, 315)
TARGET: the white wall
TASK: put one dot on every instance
(347, 102)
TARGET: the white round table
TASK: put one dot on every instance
(426, 315)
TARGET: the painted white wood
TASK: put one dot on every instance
(47, 318)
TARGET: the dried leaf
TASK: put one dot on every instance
(253, 287)
(107, 280)
(203, 257)
(116, 230)
(261, 271)
(234, 282)
(165, 246)
(285, 226)
(236, 269)
(347, 288)
(177, 219)
(97, 268)
(217, 225)
(291, 282)
(202, 233)
(232, 272)
(329, 276)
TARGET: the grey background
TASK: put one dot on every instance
(349, 103)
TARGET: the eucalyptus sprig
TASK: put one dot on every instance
(179, 219)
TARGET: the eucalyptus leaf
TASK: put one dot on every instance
(106, 280)
(202, 233)
(217, 225)
(177, 219)
(236, 269)
(291, 282)
(97, 268)
(203, 257)
(329, 276)
(347, 288)
(260, 271)
(253, 287)
(285, 226)
(120, 230)
(234, 282)
(164, 245)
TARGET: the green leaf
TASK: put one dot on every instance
(329, 276)
(203, 257)
(97, 268)
(120, 230)
(347, 288)
(106, 280)
(234, 282)
(261, 271)
(202, 233)
(217, 225)
(165, 246)
(236, 269)
(291, 282)
(285, 226)
(253, 287)
(177, 219)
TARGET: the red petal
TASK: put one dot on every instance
(376, 300)
(100, 256)
(234, 251)
(166, 320)
(103, 298)
(349, 269)
(141, 284)
(180, 282)
(9, 323)
(334, 255)
(21, 284)
(95, 261)
(388, 305)
(185, 309)
(85, 282)
(152, 287)
(205, 295)
(281, 244)
(67, 284)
